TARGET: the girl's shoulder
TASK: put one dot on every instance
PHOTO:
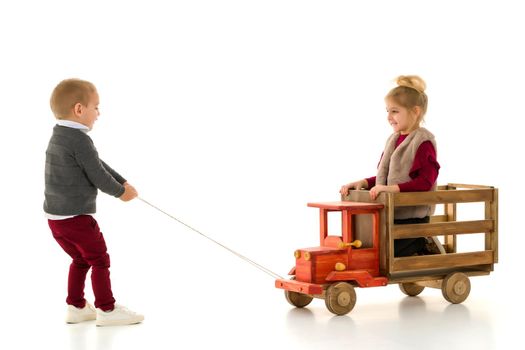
(424, 132)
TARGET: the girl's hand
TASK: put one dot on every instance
(357, 185)
(376, 190)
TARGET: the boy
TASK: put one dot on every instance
(73, 175)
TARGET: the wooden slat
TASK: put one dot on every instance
(450, 240)
(452, 185)
(417, 263)
(438, 197)
(389, 225)
(494, 216)
(438, 218)
(442, 228)
(491, 238)
(323, 225)
(435, 275)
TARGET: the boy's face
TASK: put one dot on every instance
(89, 114)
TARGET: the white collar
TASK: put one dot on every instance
(72, 124)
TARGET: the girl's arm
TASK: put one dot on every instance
(424, 171)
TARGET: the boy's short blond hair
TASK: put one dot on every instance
(68, 93)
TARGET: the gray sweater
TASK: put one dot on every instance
(74, 172)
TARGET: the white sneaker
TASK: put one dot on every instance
(119, 316)
(76, 315)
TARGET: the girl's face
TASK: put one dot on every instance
(400, 118)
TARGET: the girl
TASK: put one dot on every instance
(408, 162)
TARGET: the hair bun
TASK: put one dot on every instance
(412, 81)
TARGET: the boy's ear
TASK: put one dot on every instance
(78, 109)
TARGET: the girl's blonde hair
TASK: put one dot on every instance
(410, 93)
(68, 93)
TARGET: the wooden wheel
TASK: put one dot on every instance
(456, 287)
(340, 298)
(297, 299)
(411, 289)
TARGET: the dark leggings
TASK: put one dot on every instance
(409, 246)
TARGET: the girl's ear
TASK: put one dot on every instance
(417, 112)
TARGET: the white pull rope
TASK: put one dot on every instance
(260, 267)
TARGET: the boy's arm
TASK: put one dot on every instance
(113, 173)
(95, 170)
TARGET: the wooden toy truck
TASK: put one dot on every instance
(363, 256)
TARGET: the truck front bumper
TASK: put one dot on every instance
(299, 287)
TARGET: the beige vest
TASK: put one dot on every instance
(395, 166)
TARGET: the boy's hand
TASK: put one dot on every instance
(129, 193)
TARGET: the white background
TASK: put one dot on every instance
(231, 115)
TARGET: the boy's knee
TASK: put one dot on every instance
(100, 261)
(80, 263)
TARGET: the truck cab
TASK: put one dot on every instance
(337, 258)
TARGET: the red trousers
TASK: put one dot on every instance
(81, 239)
